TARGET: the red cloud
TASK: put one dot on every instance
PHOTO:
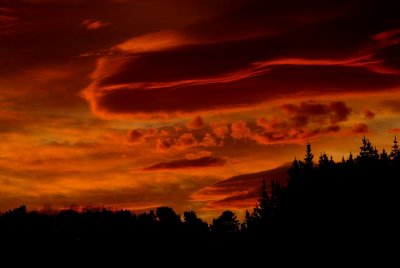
(209, 141)
(192, 69)
(220, 130)
(334, 111)
(196, 123)
(189, 96)
(360, 128)
(240, 130)
(368, 114)
(301, 122)
(186, 140)
(296, 123)
(202, 162)
(94, 24)
(138, 135)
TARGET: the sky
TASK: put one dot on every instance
(145, 103)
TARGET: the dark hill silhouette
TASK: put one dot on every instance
(241, 191)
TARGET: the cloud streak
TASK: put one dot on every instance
(202, 162)
(91, 24)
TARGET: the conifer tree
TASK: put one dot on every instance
(384, 157)
(395, 153)
(309, 156)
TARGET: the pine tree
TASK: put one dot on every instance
(367, 151)
(262, 210)
(375, 153)
(331, 161)
(364, 148)
(384, 157)
(350, 160)
(309, 156)
(248, 222)
(295, 164)
(323, 161)
(294, 170)
(395, 153)
(263, 199)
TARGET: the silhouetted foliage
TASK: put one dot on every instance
(167, 216)
(194, 224)
(227, 223)
(323, 201)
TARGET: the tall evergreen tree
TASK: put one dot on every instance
(263, 206)
(367, 151)
(309, 156)
(395, 153)
(384, 157)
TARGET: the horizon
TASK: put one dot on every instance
(140, 104)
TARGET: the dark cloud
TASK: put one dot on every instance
(360, 128)
(335, 111)
(202, 162)
(292, 123)
(91, 24)
(135, 135)
(301, 121)
(275, 83)
(199, 68)
(368, 114)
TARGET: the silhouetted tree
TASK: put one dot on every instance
(350, 160)
(323, 161)
(367, 152)
(264, 203)
(147, 219)
(227, 223)
(193, 223)
(327, 201)
(385, 158)
(395, 153)
(309, 156)
(167, 216)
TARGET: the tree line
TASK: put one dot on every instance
(354, 198)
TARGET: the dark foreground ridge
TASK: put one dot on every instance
(349, 203)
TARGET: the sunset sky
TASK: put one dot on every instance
(142, 103)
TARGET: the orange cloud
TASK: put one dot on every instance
(154, 42)
(91, 24)
(240, 130)
(220, 130)
(368, 114)
(196, 123)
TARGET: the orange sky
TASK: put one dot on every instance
(137, 104)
